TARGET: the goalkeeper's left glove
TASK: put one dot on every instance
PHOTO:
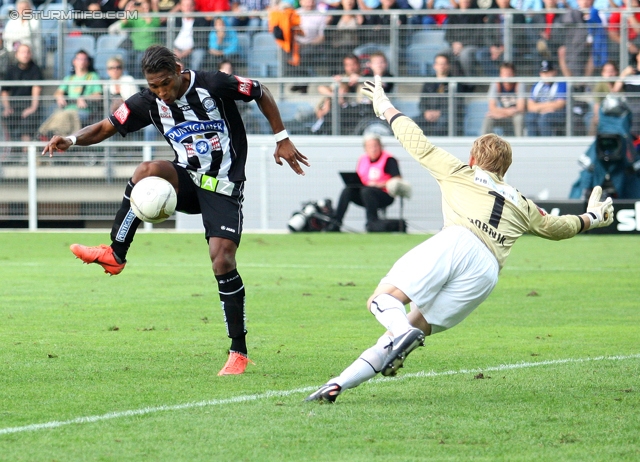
(600, 213)
(375, 92)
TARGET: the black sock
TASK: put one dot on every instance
(231, 290)
(124, 226)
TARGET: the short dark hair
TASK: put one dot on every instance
(508, 65)
(158, 58)
(442, 55)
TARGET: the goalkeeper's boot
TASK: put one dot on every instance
(327, 392)
(235, 365)
(102, 255)
(402, 346)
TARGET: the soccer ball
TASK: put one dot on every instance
(153, 199)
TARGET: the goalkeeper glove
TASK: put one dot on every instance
(600, 213)
(375, 92)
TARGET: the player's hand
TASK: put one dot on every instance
(375, 92)
(287, 151)
(57, 143)
(600, 213)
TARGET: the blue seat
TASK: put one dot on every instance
(429, 37)
(474, 115)
(244, 44)
(109, 42)
(263, 61)
(420, 58)
(263, 40)
(409, 107)
(293, 110)
(73, 44)
(363, 51)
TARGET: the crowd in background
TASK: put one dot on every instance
(546, 38)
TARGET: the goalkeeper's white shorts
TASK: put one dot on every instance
(446, 277)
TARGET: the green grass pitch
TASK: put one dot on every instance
(123, 368)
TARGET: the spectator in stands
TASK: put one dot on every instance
(600, 91)
(597, 34)
(434, 103)
(244, 6)
(343, 34)
(546, 23)
(95, 6)
(214, 6)
(375, 168)
(190, 44)
(379, 24)
(310, 41)
(351, 73)
(143, 33)
(223, 43)
(492, 55)
(378, 65)
(507, 101)
(78, 102)
(123, 86)
(546, 107)
(21, 104)
(21, 31)
(465, 34)
(633, 29)
(629, 83)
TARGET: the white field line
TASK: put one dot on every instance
(283, 393)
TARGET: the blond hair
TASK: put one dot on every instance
(492, 153)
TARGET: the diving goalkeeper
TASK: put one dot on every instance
(449, 275)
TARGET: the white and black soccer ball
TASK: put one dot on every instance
(153, 199)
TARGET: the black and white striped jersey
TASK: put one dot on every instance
(203, 127)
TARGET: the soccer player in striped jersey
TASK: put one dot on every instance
(197, 115)
(446, 277)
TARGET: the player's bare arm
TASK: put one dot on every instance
(285, 149)
(87, 136)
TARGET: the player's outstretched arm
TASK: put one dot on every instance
(285, 149)
(87, 136)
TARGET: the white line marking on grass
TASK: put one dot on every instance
(274, 394)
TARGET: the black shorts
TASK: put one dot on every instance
(221, 215)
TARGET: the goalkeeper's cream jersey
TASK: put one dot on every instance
(479, 200)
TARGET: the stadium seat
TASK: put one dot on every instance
(294, 110)
(263, 61)
(363, 51)
(420, 58)
(429, 37)
(474, 116)
(263, 40)
(109, 42)
(72, 44)
(409, 107)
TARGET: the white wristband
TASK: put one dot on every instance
(72, 138)
(283, 135)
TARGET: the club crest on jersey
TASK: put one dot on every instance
(244, 85)
(209, 104)
(165, 112)
(122, 113)
(189, 128)
(202, 147)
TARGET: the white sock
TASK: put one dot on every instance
(369, 364)
(391, 313)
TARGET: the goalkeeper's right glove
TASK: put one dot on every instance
(375, 92)
(600, 213)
